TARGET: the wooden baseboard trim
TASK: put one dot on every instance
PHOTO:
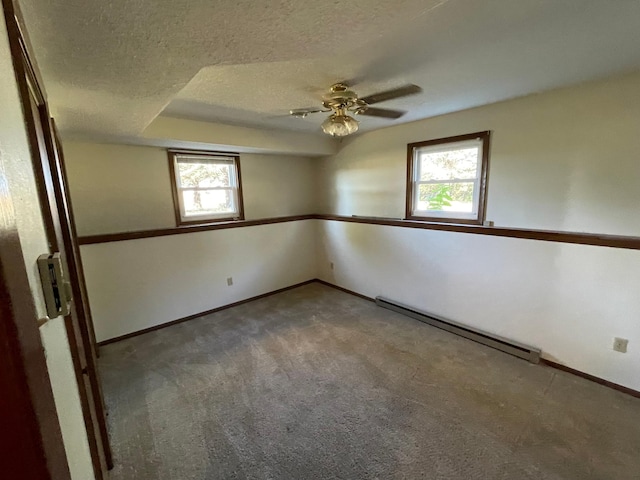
(201, 314)
(601, 381)
(224, 307)
(544, 361)
(345, 290)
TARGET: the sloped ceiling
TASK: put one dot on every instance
(111, 67)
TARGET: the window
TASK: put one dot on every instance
(206, 187)
(447, 179)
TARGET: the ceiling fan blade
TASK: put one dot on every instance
(303, 112)
(382, 112)
(391, 94)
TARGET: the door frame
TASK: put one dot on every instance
(31, 445)
(53, 194)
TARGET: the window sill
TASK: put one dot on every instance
(445, 221)
(205, 222)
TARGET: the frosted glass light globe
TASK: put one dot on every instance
(339, 125)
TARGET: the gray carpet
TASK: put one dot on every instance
(314, 383)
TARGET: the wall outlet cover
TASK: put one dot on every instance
(620, 344)
(230, 281)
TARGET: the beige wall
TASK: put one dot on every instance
(16, 157)
(119, 188)
(563, 160)
(275, 186)
(137, 284)
(568, 300)
(566, 160)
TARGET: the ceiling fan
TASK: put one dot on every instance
(341, 101)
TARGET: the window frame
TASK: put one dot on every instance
(176, 190)
(484, 138)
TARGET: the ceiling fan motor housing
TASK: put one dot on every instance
(341, 98)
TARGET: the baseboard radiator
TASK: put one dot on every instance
(508, 346)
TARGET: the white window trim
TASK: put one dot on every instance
(234, 187)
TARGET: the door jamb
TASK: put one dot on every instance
(31, 445)
(29, 83)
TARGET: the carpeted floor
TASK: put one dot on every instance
(314, 384)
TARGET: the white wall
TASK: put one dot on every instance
(14, 150)
(137, 284)
(566, 160)
(120, 188)
(568, 300)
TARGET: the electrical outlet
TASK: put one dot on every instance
(620, 344)
(230, 281)
(331, 265)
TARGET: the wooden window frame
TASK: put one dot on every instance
(172, 154)
(484, 137)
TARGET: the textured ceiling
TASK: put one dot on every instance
(111, 67)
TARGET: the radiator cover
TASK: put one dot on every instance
(526, 352)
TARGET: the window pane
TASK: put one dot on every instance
(205, 174)
(446, 197)
(204, 202)
(448, 165)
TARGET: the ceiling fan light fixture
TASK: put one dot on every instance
(338, 125)
(341, 101)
